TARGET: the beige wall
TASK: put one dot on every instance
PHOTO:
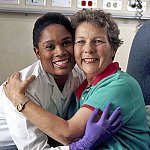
(127, 32)
(16, 50)
(15, 43)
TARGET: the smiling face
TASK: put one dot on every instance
(92, 50)
(56, 50)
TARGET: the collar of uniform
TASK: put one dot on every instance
(34, 69)
(75, 71)
(71, 77)
(48, 76)
(111, 69)
(39, 70)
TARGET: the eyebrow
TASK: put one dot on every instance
(102, 37)
(65, 38)
(69, 37)
(99, 37)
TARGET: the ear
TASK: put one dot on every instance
(113, 52)
(37, 52)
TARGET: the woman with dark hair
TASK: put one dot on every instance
(96, 43)
(56, 80)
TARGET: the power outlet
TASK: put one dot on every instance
(112, 5)
(87, 3)
(130, 8)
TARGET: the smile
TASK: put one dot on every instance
(89, 60)
(59, 63)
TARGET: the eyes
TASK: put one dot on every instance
(50, 46)
(95, 42)
(66, 43)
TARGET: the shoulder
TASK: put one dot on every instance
(120, 78)
(128, 81)
(33, 69)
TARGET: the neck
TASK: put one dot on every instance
(60, 81)
(90, 79)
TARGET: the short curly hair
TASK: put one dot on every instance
(100, 19)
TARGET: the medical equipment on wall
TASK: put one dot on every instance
(137, 4)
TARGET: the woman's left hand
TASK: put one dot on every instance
(15, 89)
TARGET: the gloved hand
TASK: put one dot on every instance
(100, 131)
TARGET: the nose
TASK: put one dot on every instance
(59, 50)
(89, 48)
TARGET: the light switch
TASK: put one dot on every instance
(9, 2)
(61, 3)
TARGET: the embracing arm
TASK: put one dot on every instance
(15, 126)
(59, 129)
(56, 127)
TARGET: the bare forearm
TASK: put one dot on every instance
(59, 129)
(52, 125)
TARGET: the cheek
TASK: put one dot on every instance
(43, 57)
(105, 52)
(77, 51)
(46, 55)
(77, 56)
(71, 50)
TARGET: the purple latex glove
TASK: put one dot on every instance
(100, 131)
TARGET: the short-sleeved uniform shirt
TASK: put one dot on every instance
(15, 128)
(119, 88)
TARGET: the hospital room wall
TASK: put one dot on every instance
(16, 49)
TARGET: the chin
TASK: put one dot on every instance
(64, 72)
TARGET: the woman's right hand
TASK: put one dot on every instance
(98, 132)
(15, 89)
